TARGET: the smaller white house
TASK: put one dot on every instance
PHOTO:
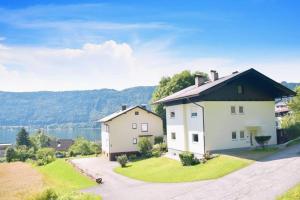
(121, 131)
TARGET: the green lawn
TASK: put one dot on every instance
(292, 194)
(167, 170)
(62, 176)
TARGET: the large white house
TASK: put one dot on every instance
(121, 131)
(223, 113)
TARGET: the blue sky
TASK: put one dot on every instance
(51, 45)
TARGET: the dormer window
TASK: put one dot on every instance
(240, 89)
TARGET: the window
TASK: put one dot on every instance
(241, 109)
(134, 126)
(240, 89)
(242, 135)
(173, 136)
(172, 114)
(194, 114)
(136, 113)
(232, 109)
(144, 127)
(195, 138)
(106, 128)
(134, 141)
(233, 135)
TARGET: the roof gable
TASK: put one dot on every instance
(119, 113)
(274, 90)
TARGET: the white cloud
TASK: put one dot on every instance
(112, 65)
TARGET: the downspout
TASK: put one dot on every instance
(202, 107)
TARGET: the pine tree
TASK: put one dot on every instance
(23, 138)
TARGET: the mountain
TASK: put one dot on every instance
(292, 86)
(70, 107)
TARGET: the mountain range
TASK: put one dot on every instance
(80, 108)
(71, 108)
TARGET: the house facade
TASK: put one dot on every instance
(223, 113)
(121, 131)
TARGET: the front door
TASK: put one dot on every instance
(251, 138)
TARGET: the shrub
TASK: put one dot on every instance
(207, 155)
(132, 157)
(40, 140)
(82, 146)
(158, 139)
(262, 140)
(188, 159)
(45, 156)
(122, 160)
(10, 154)
(48, 194)
(163, 147)
(23, 153)
(145, 147)
(156, 152)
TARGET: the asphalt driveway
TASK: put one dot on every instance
(263, 180)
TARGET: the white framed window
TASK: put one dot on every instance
(134, 126)
(232, 110)
(134, 141)
(172, 114)
(241, 109)
(233, 135)
(195, 137)
(194, 114)
(144, 127)
(173, 136)
(242, 134)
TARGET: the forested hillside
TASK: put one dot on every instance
(76, 107)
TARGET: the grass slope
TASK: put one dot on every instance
(292, 194)
(167, 170)
(61, 175)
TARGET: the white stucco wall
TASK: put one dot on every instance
(104, 138)
(121, 133)
(220, 123)
(184, 126)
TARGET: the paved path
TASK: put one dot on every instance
(263, 180)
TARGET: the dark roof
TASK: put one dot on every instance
(121, 112)
(62, 144)
(194, 90)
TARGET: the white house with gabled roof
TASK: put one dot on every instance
(121, 131)
(224, 113)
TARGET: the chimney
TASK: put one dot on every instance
(123, 107)
(235, 72)
(199, 79)
(214, 75)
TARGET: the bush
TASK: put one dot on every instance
(40, 140)
(145, 147)
(82, 146)
(156, 152)
(48, 194)
(158, 139)
(122, 160)
(23, 153)
(262, 140)
(132, 157)
(207, 155)
(188, 159)
(45, 156)
(163, 147)
(10, 154)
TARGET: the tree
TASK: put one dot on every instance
(294, 105)
(10, 154)
(40, 140)
(23, 138)
(170, 85)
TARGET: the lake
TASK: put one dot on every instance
(8, 134)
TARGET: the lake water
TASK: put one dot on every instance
(8, 135)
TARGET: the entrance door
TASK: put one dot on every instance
(251, 138)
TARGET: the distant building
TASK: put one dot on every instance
(3, 148)
(281, 110)
(121, 131)
(224, 113)
(61, 144)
